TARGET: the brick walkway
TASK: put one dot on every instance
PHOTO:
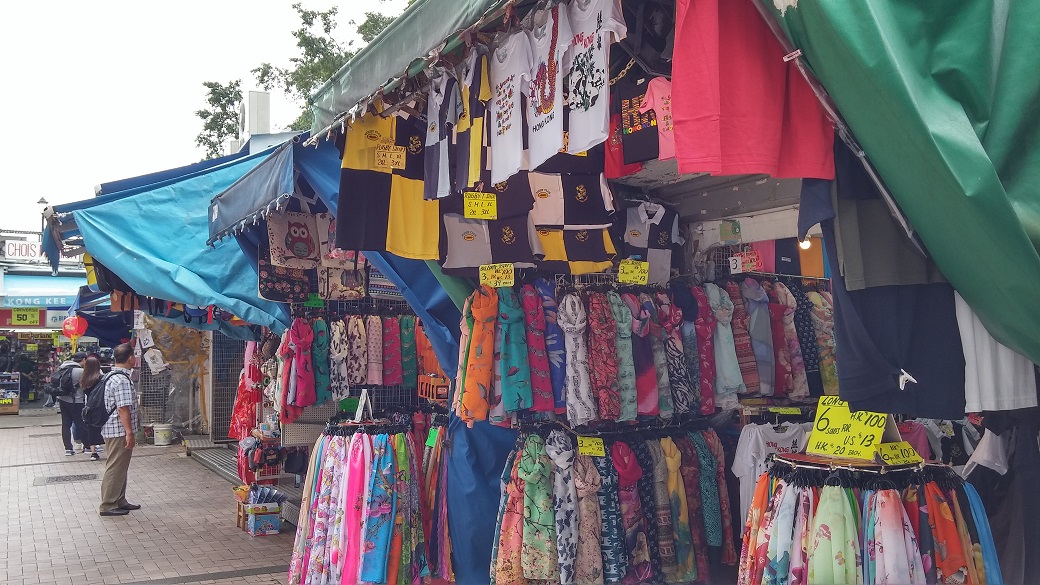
(185, 532)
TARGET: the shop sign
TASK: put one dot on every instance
(742, 262)
(497, 275)
(479, 205)
(729, 232)
(839, 432)
(56, 318)
(633, 272)
(901, 453)
(25, 317)
(591, 446)
(38, 301)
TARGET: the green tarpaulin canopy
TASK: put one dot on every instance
(945, 99)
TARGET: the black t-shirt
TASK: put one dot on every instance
(638, 130)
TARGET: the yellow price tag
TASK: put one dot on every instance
(591, 446)
(633, 272)
(839, 432)
(25, 317)
(497, 275)
(31, 347)
(901, 453)
(785, 410)
(479, 205)
(390, 156)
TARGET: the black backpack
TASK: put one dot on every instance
(95, 415)
(61, 382)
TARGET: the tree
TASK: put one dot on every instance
(221, 120)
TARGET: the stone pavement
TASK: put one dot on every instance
(184, 533)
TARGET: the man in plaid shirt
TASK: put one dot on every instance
(118, 432)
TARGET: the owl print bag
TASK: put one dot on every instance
(293, 240)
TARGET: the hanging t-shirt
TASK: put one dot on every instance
(510, 75)
(473, 242)
(659, 99)
(596, 24)
(475, 89)
(576, 251)
(550, 37)
(638, 128)
(571, 201)
(614, 166)
(443, 106)
(756, 444)
(651, 230)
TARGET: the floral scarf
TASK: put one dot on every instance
(587, 481)
(509, 566)
(565, 503)
(603, 357)
(325, 505)
(357, 350)
(581, 406)
(465, 329)
(477, 390)
(555, 345)
(320, 359)
(374, 328)
(665, 406)
(514, 367)
(756, 304)
(897, 558)
(537, 355)
(663, 509)
(799, 388)
(628, 408)
(634, 524)
(752, 524)
(538, 551)
(803, 323)
(409, 355)
(381, 508)
(950, 564)
(684, 554)
(503, 498)
(835, 550)
(393, 374)
(360, 466)
(642, 357)
(728, 378)
(704, 327)
(797, 573)
(778, 564)
(671, 318)
(301, 337)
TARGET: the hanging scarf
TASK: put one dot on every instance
(301, 337)
(445, 571)
(381, 508)
(426, 357)
(915, 496)
(729, 553)
(627, 402)
(335, 547)
(603, 357)
(742, 339)
(823, 324)
(663, 510)
(409, 361)
(900, 558)
(503, 497)
(756, 303)
(991, 562)
(683, 298)
(803, 323)
(835, 555)
(320, 359)
(514, 368)
(642, 357)
(314, 478)
(537, 355)
(798, 571)
(296, 563)
(709, 491)
(374, 328)
(645, 489)
(783, 372)
(778, 564)
(760, 547)
(357, 342)
(400, 568)
(632, 520)
(509, 567)
(419, 566)
(704, 328)
(555, 345)
(581, 406)
(465, 329)
(967, 544)
(612, 537)
(359, 465)
(539, 554)
(565, 503)
(496, 407)
(665, 406)
(671, 318)
(392, 372)
(686, 564)
(325, 510)
(799, 388)
(752, 524)
(338, 352)
(690, 469)
(728, 378)
(589, 564)
(479, 378)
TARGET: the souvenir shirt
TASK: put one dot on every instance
(549, 37)
(571, 201)
(474, 242)
(651, 230)
(442, 113)
(638, 129)
(595, 25)
(576, 251)
(475, 92)
(659, 99)
(510, 72)
(614, 166)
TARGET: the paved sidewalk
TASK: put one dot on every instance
(185, 532)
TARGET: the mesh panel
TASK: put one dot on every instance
(227, 361)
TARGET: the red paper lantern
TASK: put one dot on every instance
(74, 327)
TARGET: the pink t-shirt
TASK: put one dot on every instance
(659, 99)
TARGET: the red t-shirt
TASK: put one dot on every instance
(614, 164)
(737, 107)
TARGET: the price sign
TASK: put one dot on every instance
(591, 446)
(25, 317)
(841, 433)
(742, 262)
(634, 272)
(479, 205)
(497, 275)
(736, 265)
(314, 301)
(901, 453)
(32, 347)
(390, 156)
(431, 438)
(785, 410)
(729, 232)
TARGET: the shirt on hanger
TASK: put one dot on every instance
(595, 24)
(443, 107)
(651, 229)
(471, 151)
(473, 242)
(638, 129)
(571, 201)
(614, 166)
(510, 74)
(576, 251)
(756, 444)
(659, 99)
(549, 36)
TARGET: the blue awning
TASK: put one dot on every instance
(268, 186)
(160, 176)
(55, 292)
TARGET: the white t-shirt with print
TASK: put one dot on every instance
(756, 443)
(595, 25)
(510, 75)
(550, 38)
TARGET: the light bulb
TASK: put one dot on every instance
(805, 244)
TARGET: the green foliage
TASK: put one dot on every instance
(220, 121)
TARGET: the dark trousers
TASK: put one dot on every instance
(72, 413)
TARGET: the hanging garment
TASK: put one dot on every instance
(419, 512)
(683, 299)
(760, 546)
(663, 510)
(320, 359)
(581, 405)
(803, 323)
(555, 345)
(686, 564)
(426, 358)
(301, 337)
(642, 357)
(392, 375)
(991, 562)
(374, 329)
(778, 558)
(565, 503)
(380, 509)
(360, 466)
(835, 555)
(756, 444)
(409, 359)
(357, 343)
(915, 500)
(729, 552)
(338, 359)
(823, 325)
(296, 562)
(465, 331)
(782, 369)
(705, 327)
(742, 340)
(665, 406)
(645, 489)
(286, 391)
(799, 387)
(950, 564)
(612, 539)
(671, 318)
(709, 492)
(537, 355)
(728, 379)
(503, 498)
(589, 563)
(603, 357)
(479, 375)
(627, 396)
(756, 303)
(798, 571)
(538, 554)
(897, 556)
(629, 474)
(325, 506)
(514, 367)
(509, 567)
(690, 469)
(752, 524)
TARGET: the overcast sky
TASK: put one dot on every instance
(100, 91)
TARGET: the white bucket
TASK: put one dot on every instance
(163, 434)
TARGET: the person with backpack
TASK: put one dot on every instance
(64, 387)
(112, 407)
(92, 438)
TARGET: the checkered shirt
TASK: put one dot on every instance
(119, 392)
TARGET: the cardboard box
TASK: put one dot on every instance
(263, 524)
(271, 508)
(9, 405)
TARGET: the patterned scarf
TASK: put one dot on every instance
(325, 507)
(783, 377)
(555, 345)
(301, 336)
(798, 572)
(357, 350)
(393, 375)
(565, 503)
(589, 564)
(646, 503)
(509, 566)
(537, 355)
(603, 357)
(682, 298)
(539, 552)
(320, 359)
(663, 509)
(742, 339)
(728, 379)
(671, 318)
(612, 537)
(503, 497)
(626, 367)
(779, 564)
(381, 507)
(690, 469)
(632, 520)
(419, 565)
(338, 354)
(704, 327)
(642, 357)
(991, 563)
(803, 323)
(394, 558)
(729, 551)
(950, 563)
(296, 563)
(465, 330)
(374, 328)
(799, 389)
(823, 324)
(686, 564)
(665, 406)
(835, 555)
(709, 491)
(360, 466)
(409, 358)
(752, 524)
(756, 304)
(477, 391)
(514, 368)
(581, 406)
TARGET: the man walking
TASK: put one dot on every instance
(65, 386)
(123, 423)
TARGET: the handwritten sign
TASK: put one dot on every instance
(742, 262)
(839, 432)
(25, 317)
(633, 272)
(479, 205)
(591, 446)
(497, 275)
(901, 453)
(785, 410)
(390, 156)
